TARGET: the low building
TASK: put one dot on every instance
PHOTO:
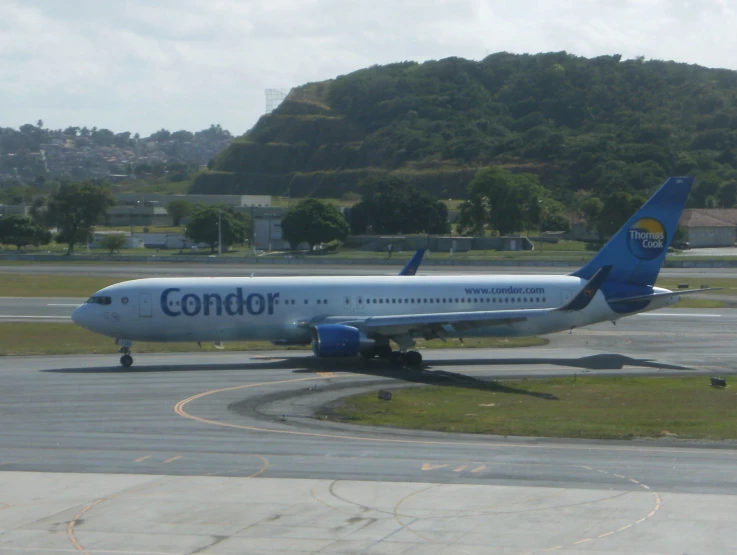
(156, 199)
(13, 210)
(709, 227)
(118, 216)
(131, 241)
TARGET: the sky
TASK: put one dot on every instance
(143, 65)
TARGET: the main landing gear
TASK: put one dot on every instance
(398, 358)
(408, 358)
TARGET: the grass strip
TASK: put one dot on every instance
(32, 285)
(34, 338)
(588, 407)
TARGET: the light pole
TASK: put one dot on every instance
(450, 225)
(220, 233)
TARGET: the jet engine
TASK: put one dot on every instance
(338, 340)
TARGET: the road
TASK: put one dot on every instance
(218, 453)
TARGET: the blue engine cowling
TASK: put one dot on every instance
(338, 340)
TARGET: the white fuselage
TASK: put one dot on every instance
(278, 308)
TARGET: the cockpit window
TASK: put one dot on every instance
(99, 300)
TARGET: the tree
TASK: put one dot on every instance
(727, 195)
(516, 198)
(113, 242)
(203, 226)
(474, 216)
(179, 209)
(591, 209)
(314, 222)
(618, 208)
(38, 210)
(75, 208)
(391, 205)
(22, 231)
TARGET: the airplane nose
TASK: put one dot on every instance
(80, 316)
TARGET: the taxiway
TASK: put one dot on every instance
(218, 453)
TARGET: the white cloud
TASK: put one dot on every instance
(140, 66)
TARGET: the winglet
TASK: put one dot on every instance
(584, 296)
(410, 268)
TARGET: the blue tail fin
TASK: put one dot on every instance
(637, 251)
(410, 268)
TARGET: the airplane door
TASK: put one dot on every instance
(144, 305)
(347, 304)
(565, 296)
(359, 303)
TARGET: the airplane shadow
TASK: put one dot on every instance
(380, 368)
(592, 362)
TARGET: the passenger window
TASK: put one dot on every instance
(394, 301)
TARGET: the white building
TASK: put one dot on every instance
(709, 227)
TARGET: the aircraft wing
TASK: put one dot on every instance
(435, 323)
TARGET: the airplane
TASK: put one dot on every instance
(347, 316)
(410, 269)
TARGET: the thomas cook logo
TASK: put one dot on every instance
(646, 238)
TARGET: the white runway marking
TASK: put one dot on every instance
(64, 304)
(39, 317)
(682, 315)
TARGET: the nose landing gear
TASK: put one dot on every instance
(125, 348)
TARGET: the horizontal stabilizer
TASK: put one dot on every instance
(584, 296)
(652, 296)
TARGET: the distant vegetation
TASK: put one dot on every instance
(585, 127)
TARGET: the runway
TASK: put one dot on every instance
(219, 453)
(38, 309)
(133, 270)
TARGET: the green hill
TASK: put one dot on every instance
(578, 123)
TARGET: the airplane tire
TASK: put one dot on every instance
(413, 358)
(370, 353)
(383, 351)
(126, 360)
(397, 358)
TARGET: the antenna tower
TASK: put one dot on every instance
(274, 97)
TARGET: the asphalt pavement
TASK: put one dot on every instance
(132, 270)
(219, 453)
